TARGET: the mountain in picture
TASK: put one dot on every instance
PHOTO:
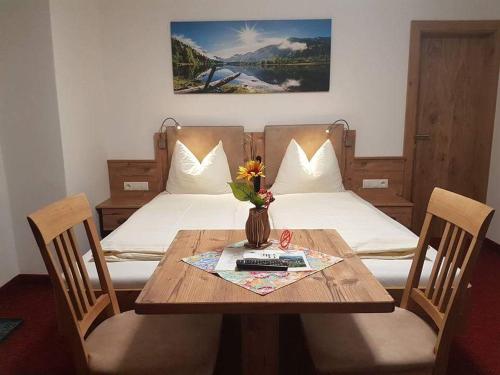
(251, 56)
(306, 50)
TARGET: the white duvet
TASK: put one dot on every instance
(367, 230)
(147, 234)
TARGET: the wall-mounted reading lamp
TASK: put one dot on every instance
(162, 142)
(336, 123)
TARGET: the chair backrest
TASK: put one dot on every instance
(53, 228)
(465, 224)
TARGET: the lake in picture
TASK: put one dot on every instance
(251, 56)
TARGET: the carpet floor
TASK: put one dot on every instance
(36, 348)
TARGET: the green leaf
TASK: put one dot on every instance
(242, 191)
(257, 201)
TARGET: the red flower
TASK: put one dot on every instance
(267, 196)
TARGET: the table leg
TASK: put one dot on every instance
(260, 344)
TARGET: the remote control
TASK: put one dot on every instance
(254, 264)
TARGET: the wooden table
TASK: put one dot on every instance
(178, 288)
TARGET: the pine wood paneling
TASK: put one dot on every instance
(310, 137)
(356, 168)
(202, 139)
(134, 170)
(177, 287)
(391, 168)
(359, 168)
(257, 139)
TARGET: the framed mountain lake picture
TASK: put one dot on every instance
(251, 57)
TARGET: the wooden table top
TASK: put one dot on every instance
(176, 287)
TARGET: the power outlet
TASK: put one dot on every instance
(375, 183)
(136, 185)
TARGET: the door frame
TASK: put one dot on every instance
(419, 29)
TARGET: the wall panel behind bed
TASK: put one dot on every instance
(309, 137)
(202, 139)
(121, 171)
(352, 168)
(270, 144)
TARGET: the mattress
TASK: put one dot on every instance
(154, 226)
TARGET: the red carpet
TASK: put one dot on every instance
(477, 350)
(36, 348)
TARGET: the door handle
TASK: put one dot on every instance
(422, 137)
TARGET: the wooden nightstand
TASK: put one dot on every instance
(114, 212)
(390, 203)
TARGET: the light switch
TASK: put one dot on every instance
(136, 185)
(375, 183)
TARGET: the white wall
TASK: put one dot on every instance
(8, 263)
(30, 136)
(79, 81)
(368, 77)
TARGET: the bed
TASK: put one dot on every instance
(150, 230)
(154, 226)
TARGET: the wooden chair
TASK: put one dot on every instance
(124, 343)
(401, 342)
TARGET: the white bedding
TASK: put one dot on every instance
(367, 230)
(150, 230)
(134, 274)
(154, 226)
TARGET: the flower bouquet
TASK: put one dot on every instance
(257, 227)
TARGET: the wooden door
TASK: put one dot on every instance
(452, 89)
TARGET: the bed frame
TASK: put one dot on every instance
(238, 145)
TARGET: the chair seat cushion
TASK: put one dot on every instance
(398, 342)
(154, 344)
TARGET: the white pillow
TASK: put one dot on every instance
(299, 175)
(188, 176)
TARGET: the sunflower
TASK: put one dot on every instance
(252, 169)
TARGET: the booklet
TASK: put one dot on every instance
(297, 260)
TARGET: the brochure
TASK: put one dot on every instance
(297, 260)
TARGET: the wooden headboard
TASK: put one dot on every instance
(201, 140)
(271, 145)
(309, 137)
